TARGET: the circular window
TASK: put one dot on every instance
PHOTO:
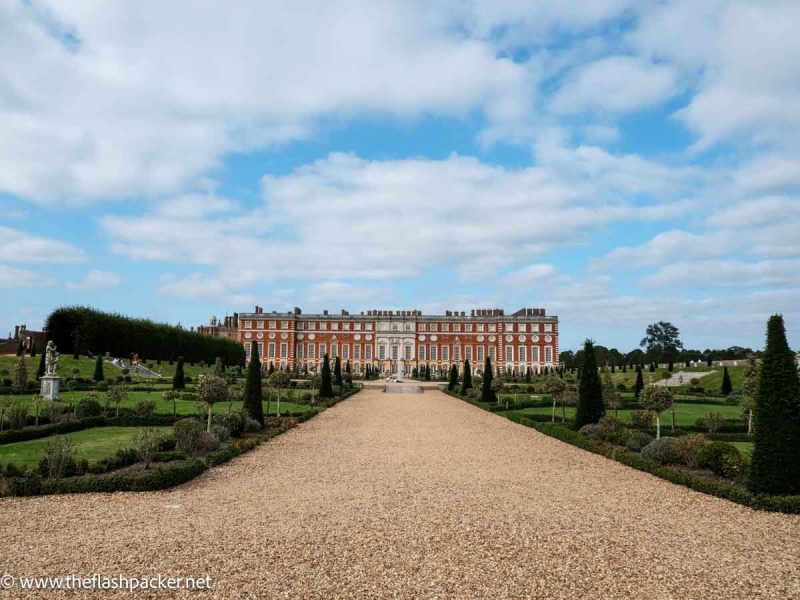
(247, 335)
(311, 336)
(509, 338)
(260, 335)
(548, 338)
(521, 338)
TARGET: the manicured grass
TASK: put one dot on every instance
(182, 407)
(744, 447)
(66, 365)
(91, 444)
(685, 414)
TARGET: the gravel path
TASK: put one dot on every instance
(418, 495)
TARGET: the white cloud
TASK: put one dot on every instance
(615, 84)
(349, 296)
(202, 287)
(11, 277)
(95, 280)
(22, 247)
(726, 274)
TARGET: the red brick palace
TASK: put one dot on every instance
(405, 339)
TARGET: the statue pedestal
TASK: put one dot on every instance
(50, 386)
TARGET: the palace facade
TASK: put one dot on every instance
(399, 341)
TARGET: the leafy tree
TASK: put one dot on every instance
(748, 394)
(98, 369)
(314, 383)
(278, 381)
(20, 375)
(590, 393)
(555, 387)
(639, 383)
(775, 467)
(656, 398)
(252, 398)
(487, 391)
(466, 380)
(178, 380)
(210, 390)
(453, 383)
(611, 396)
(662, 339)
(116, 395)
(171, 396)
(325, 386)
(726, 387)
(146, 442)
(337, 372)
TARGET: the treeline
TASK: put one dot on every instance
(82, 330)
(612, 356)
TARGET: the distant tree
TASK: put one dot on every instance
(453, 383)
(427, 372)
(555, 387)
(40, 370)
(590, 392)
(252, 397)
(347, 367)
(466, 379)
(611, 396)
(178, 381)
(709, 361)
(528, 374)
(662, 339)
(726, 387)
(487, 391)
(775, 467)
(337, 372)
(278, 381)
(33, 348)
(210, 390)
(656, 398)
(326, 386)
(748, 394)
(116, 395)
(219, 368)
(671, 366)
(271, 368)
(20, 348)
(98, 369)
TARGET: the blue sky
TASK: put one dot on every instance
(616, 162)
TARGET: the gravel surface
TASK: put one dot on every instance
(419, 495)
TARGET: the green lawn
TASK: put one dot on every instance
(685, 414)
(744, 447)
(91, 444)
(66, 366)
(182, 407)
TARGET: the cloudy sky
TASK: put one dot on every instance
(616, 161)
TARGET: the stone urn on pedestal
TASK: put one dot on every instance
(51, 382)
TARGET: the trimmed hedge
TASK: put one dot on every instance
(693, 480)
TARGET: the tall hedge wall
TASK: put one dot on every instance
(99, 332)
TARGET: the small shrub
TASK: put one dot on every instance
(88, 407)
(687, 447)
(722, 458)
(187, 379)
(588, 430)
(234, 421)
(17, 416)
(147, 442)
(223, 433)
(641, 419)
(621, 387)
(188, 435)
(305, 398)
(59, 458)
(252, 425)
(208, 441)
(613, 430)
(663, 451)
(102, 386)
(712, 421)
(638, 440)
(146, 407)
(71, 385)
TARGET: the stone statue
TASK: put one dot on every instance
(51, 359)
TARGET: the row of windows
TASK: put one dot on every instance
(357, 326)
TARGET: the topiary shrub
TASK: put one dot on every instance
(235, 422)
(188, 434)
(687, 447)
(102, 386)
(88, 407)
(663, 451)
(613, 430)
(641, 419)
(146, 408)
(59, 458)
(638, 440)
(17, 416)
(588, 430)
(222, 433)
(253, 425)
(71, 385)
(723, 459)
(208, 441)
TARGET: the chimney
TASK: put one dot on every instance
(325, 312)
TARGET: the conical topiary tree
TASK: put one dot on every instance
(775, 467)
(590, 392)
(40, 370)
(726, 387)
(98, 369)
(637, 391)
(466, 379)
(453, 383)
(33, 348)
(178, 382)
(487, 391)
(337, 372)
(20, 348)
(325, 385)
(252, 400)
